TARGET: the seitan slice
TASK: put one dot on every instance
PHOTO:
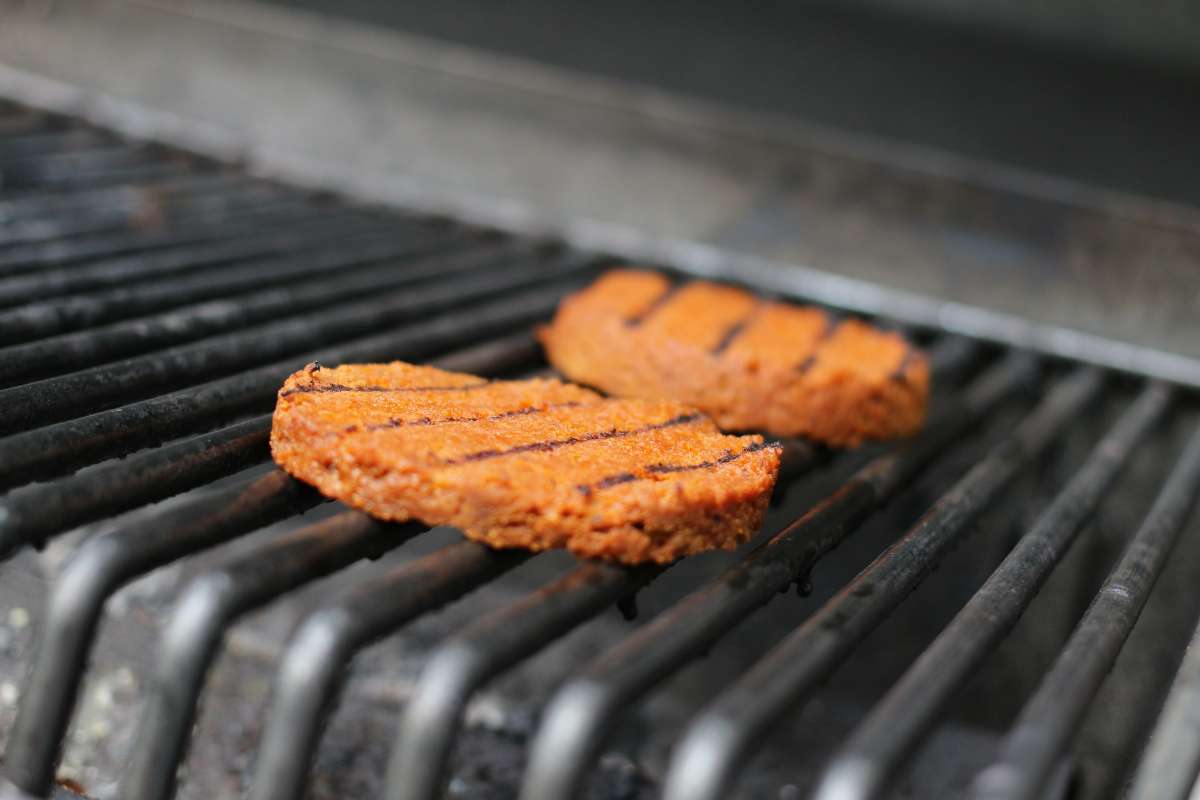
(751, 364)
(537, 464)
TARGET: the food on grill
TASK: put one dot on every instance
(749, 363)
(536, 463)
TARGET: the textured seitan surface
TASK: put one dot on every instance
(749, 363)
(537, 463)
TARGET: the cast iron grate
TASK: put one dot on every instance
(151, 304)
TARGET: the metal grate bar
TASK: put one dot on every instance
(211, 603)
(21, 121)
(74, 351)
(582, 713)
(723, 734)
(39, 221)
(58, 165)
(38, 218)
(189, 226)
(100, 566)
(50, 181)
(1171, 764)
(32, 514)
(1044, 728)
(64, 314)
(107, 561)
(328, 638)
(29, 227)
(57, 449)
(283, 235)
(36, 512)
(63, 220)
(480, 652)
(79, 166)
(70, 171)
(952, 357)
(66, 396)
(894, 729)
(49, 141)
(124, 200)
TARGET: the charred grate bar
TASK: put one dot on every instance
(723, 734)
(150, 306)
(896, 726)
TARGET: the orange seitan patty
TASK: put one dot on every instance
(537, 463)
(749, 363)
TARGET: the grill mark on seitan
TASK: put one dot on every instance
(735, 330)
(899, 374)
(399, 422)
(604, 483)
(664, 469)
(807, 364)
(832, 323)
(555, 444)
(338, 387)
(655, 305)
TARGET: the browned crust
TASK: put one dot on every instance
(535, 464)
(750, 364)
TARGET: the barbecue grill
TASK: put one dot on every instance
(140, 272)
(152, 300)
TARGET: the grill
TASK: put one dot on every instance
(151, 303)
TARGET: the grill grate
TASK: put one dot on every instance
(150, 306)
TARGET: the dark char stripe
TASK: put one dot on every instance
(734, 331)
(409, 423)
(807, 364)
(900, 374)
(338, 387)
(655, 305)
(555, 444)
(613, 480)
(665, 469)
(832, 323)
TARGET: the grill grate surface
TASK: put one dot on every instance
(150, 306)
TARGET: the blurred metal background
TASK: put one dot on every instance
(1021, 175)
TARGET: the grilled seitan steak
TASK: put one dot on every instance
(536, 463)
(750, 364)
